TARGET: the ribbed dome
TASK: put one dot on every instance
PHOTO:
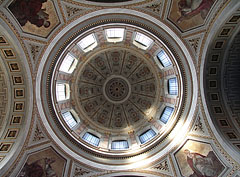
(108, 88)
(117, 89)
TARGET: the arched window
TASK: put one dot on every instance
(69, 119)
(68, 64)
(146, 136)
(119, 145)
(172, 86)
(164, 59)
(88, 43)
(166, 114)
(114, 34)
(91, 139)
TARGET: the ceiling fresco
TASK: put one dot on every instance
(188, 15)
(45, 162)
(35, 17)
(201, 160)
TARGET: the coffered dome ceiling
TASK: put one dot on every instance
(117, 91)
(122, 88)
(114, 86)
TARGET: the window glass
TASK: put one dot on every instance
(172, 86)
(119, 145)
(69, 119)
(164, 59)
(68, 64)
(166, 114)
(91, 139)
(88, 43)
(142, 40)
(115, 34)
(146, 136)
(61, 92)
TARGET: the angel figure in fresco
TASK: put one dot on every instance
(30, 10)
(203, 166)
(39, 168)
(190, 8)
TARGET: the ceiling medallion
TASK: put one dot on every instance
(116, 89)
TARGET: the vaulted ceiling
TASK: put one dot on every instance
(117, 88)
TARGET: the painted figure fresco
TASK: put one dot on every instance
(190, 8)
(31, 11)
(187, 14)
(37, 17)
(39, 168)
(202, 165)
(197, 159)
(46, 163)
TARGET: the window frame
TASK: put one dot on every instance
(165, 62)
(117, 38)
(120, 148)
(148, 138)
(96, 143)
(88, 47)
(165, 116)
(71, 67)
(172, 86)
(66, 91)
(140, 42)
(69, 121)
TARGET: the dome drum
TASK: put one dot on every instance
(119, 91)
